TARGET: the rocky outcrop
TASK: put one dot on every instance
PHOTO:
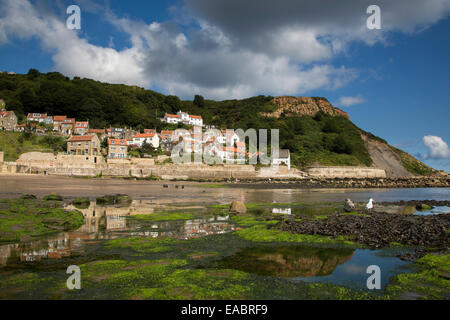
(412, 182)
(300, 106)
(379, 230)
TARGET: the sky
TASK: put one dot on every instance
(393, 81)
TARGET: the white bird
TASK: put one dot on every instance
(369, 205)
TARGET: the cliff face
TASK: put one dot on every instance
(299, 106)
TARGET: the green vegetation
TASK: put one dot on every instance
(413, 165)
(431, 282)
(13, 144)
(141, 245)
(21, 218)
(117, 199)
(212, 186)
(260, 233)
(81, 202)
(52, 197)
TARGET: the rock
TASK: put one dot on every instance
(423, 207)
(238, 207)
(28, 197)
(53, 197)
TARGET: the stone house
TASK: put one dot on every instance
(117, 148)
(84, 145)
(57, 122)
(8, 120)
(68, 126)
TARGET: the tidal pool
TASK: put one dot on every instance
(196, 240)
(172, 244)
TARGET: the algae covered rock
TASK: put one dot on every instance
(238, 207)
(53, 197)
(114, 199)
(423, 207)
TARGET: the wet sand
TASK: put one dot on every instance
(12, 186)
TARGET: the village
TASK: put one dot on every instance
(127, 143)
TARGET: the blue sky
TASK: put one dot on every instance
(393, 82)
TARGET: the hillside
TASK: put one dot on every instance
(314, 130)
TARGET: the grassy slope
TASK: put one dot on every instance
(10, 145)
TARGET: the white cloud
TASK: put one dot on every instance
(437, 147)
(238, 49)
(350, 101)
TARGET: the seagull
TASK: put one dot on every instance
(349, 205)
(369, 205)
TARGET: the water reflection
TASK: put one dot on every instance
(282, 210)
(109, 222)
(195, 228)
(288, 261)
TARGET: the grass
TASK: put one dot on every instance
(13, 146)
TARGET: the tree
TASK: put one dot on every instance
(173, 102)
(199, 101)
(33, 74)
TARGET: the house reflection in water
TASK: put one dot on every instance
(281, 210)
(109, 222)
(189, 229)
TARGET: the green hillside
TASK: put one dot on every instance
(321, 139)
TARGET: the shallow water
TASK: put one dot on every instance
(292, 262)
(434, 211)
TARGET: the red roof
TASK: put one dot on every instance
(166, 132)
(172, 115)
(59, 118)
(96, 130)
(122, 142)
(196, 117)
(144, 135)
(81, 138)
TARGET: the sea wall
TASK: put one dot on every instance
(61, 164)
(346, 172)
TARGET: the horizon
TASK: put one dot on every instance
(391, 81)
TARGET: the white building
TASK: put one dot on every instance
(284, 158)
(150, 138)
(172, 118)
(183, 117)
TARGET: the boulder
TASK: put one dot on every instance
(238, 207)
